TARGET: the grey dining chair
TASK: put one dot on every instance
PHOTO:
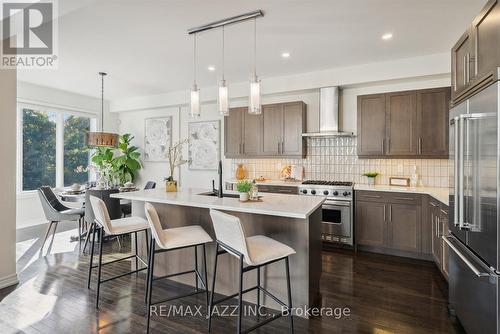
(56, 212)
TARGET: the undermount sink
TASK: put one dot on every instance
(212, 194)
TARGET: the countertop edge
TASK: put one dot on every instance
(423, 190)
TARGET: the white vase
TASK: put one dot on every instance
(371, 181)
(244, 197)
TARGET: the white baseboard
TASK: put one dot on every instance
(8, 281)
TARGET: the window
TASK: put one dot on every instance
(52, 147)
(39, 149)
(76, 152)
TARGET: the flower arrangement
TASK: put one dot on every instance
(371, 177)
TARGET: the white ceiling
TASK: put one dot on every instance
(145, 48)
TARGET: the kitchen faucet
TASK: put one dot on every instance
(219, 192)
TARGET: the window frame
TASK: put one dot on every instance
(60, 111)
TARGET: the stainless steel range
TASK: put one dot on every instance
(337, 209)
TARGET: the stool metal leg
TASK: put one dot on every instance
(151, 263)
(240, 295)
(205, 271)
(287, 265)
(136, 254)
(258, 291)
(196, 266)
(91, 230)
(101, 237)
(214, 276)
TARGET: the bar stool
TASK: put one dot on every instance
(115, 227)
(256, 252)
(173, 239)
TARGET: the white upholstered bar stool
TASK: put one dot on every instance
(115, 227)
(256, 252)
(174, 239)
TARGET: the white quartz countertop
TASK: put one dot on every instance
(282, 205)
(440, 194)
(270, 182)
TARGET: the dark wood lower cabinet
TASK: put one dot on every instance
(371, 226)
(404, 224)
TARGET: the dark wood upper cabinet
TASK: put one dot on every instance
(292, 143)
(408, 124)
(401, 121)
(277, 132)
(233, 136)
(252, 134)
(371, 124)
(461, 54)
(272, 129)
(432, 122)
(476, 56)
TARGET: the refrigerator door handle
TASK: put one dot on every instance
(469, 264)
(460, 152)
(456, 220)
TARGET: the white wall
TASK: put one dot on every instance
(29, 209)
(8, 171)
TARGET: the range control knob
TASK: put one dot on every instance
(313, 192)
(345, 193)
(304, 191)
(325, 192)
(335, 193)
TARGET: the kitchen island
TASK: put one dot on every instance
(291, 219)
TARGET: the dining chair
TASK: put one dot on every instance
(55, 212)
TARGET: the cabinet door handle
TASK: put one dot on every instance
(384, 212)
(420, 145)
(279, 151)
(243, 148)
(468, 67)
(404, 198)
(444, 212)
(390, 213)
(465, 70)
(371, 196)
(282, 149)
(383, 145)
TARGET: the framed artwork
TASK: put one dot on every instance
(204, 145)
(157, 138)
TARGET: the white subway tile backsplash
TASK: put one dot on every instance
(336, 159)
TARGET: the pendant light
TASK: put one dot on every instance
(100, 138)
(195, 92)
(254, 105)
(223, 100)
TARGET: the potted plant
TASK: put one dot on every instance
(371, 177)
(174, 160)
(126, 165)
(244, 188)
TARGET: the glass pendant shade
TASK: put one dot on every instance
(223, 100)
(254, 103)
(195, 102)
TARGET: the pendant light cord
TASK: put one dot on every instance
(223, 60)
(102, 101)
(194, 58)
(255, 47)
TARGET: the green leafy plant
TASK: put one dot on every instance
(370, 174)
(243, 186)
(123, 166)
(128, 162)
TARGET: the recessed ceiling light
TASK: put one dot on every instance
(285, 55)
(211, 68)
(387, 36)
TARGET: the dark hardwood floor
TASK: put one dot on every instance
(384, 295)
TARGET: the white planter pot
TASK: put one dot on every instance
(244, 197)
(371, 181)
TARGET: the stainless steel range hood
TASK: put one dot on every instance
(328, 115)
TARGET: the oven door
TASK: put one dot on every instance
(337, 218)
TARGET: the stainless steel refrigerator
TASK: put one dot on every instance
(473, 235)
